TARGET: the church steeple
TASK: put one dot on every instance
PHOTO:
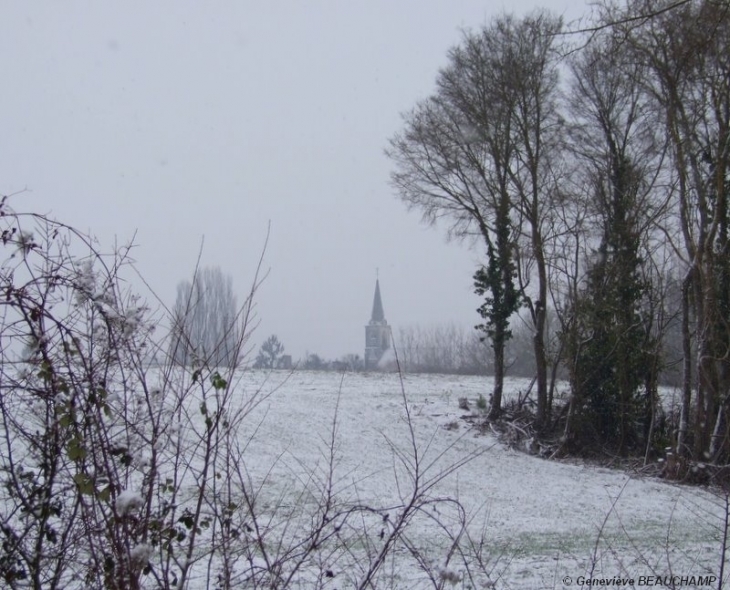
(377, 332)
(378, 315)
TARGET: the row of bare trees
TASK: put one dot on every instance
(447, 348)
(593, 169)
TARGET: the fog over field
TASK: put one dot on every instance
(188, 127)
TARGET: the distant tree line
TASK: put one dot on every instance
(271, 356)
(446, 348)
(348, 362)
(593, 170)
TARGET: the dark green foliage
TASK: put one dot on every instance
(607, 348)
(607, 373)
(496, 282)
(502, 297)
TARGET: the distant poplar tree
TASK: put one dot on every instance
(205, 330)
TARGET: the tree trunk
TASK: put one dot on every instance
(495, 408)
(683, 449)
(543, 411)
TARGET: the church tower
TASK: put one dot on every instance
(377, 333)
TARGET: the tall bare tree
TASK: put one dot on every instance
(532, 67)
(478, 154)
(685, 51)
(205, 318)
(619, 154)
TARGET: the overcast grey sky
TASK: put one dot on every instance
(178, 120)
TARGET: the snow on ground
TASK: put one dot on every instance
(540, 518)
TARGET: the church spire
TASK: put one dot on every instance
(377, 333)
(378, 315)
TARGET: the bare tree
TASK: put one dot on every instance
(442, 348)
(205, 330)
(270, 351)
(619, 154)
(479, 153)
(685, 51)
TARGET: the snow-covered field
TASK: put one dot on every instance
(310, 487)
(541, 520)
